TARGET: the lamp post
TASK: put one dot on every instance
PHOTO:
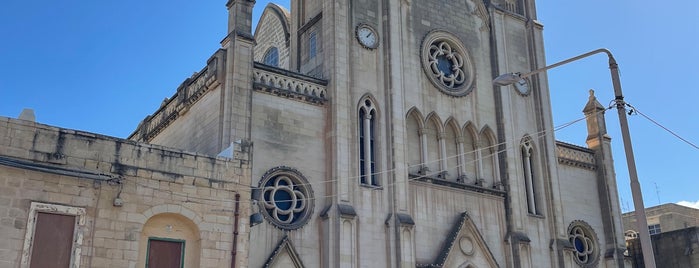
(642, 224)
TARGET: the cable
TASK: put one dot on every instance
(635, 110)
(538, 135)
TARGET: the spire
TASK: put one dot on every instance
(596, 127)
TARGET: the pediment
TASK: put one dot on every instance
(464, 247)
(284, 256)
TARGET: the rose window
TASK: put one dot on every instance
(584, 243)
(446, 63)
(285, 198)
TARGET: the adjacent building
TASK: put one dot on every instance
(662, 218)
(377, 139)
(70, 198)
(674, 233)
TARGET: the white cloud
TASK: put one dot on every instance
(689, 204)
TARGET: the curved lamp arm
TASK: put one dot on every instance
(511, 78)
(641, 221)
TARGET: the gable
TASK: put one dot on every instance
(464, 247)
(284, 256)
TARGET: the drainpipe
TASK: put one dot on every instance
(236, 215)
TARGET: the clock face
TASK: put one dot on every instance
(367, 36)
(522, 86)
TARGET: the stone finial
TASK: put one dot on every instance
(592, 104)
(596, 127)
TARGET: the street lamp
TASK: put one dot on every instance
(511, 78)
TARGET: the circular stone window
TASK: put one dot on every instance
(286, 198)
(446, 63)
(584, 243)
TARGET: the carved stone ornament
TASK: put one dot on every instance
(447, 63)
(585, 245)
(286, 199)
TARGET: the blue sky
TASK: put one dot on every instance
(102, 66)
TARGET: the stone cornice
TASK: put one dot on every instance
(575, 156)
(283, 83)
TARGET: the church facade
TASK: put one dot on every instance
(377, 138)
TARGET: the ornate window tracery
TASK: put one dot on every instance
(584, 241)
(367, 143)
(447, 63)
(286, 198)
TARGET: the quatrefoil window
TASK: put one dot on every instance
(286, 198)
(446, 63)
(584, 243)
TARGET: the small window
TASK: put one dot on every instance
(654, 229)
(312, 45)
(272, 57)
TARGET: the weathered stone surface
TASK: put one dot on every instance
(152, 193)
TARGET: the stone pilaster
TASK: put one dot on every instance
(236, 95)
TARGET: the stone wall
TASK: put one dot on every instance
(670, 217)
(123, 193)
(679, 248)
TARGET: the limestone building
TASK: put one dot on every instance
(377, 138)
(70, 198)
(674, 231)
(662, 218)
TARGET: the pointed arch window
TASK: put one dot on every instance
(527, 151)
(367, 143)
(272, 57)
(487, 161)
(312, 45)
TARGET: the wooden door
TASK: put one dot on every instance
(53, 240)
(165, 253)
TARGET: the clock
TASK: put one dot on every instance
(367, 36)
(522, 86)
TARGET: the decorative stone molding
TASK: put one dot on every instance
(346, 211)
(405, 219)
(289, 85)
(495, 190)
(285, 247)
(287, 198)
(575, 156)
(466, 239)
(447, 64)
(585, 243)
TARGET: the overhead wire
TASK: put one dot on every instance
(635, 110)
(509, 145)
